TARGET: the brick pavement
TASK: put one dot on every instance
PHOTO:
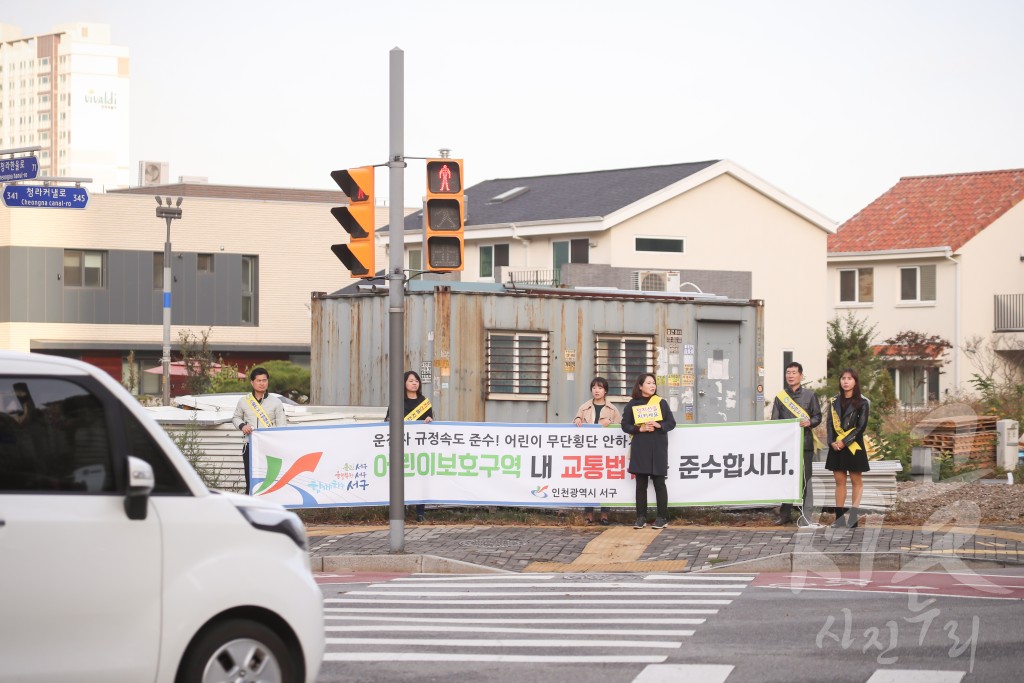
(679, 548)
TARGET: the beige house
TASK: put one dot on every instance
(708, 227)
(936, 255)
(89, 283)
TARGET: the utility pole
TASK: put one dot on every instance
(168, 213)
(396, 301)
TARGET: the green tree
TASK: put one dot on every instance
(850, 346)
(226, 379)
(288, 379)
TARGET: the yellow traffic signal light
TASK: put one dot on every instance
(358, 220)
(444, 216)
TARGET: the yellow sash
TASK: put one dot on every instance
(797, 411)
(258, 409)
(417, 412)
(651, 412)
(840, 434)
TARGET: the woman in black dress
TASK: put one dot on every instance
(648, 452)
(846, 422)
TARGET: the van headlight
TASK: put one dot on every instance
(281, 521)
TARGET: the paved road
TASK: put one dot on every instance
(656, 628)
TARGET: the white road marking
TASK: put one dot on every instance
(915, 676)
(564, 584)
(552, 594)
(464, 620)
(505, 642)
(560, 611)
(418, 628)
(548, 601)
(528, 659)
(691, 673)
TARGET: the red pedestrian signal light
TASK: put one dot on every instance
(357, 219)
(444, 218)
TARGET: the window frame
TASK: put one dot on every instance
(930, 380)
(576, 246)
(250, 288)
(518, 378)
(660, 238)
(919, 285)
(496, 257)
(82, 268)
(859, 275)
(620, 380)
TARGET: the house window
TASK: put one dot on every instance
(787, 358)
(204, 263)
(572, 251)
(620, 359)
(857, 285)
(491, 257)
(415, 259)
(917, 283)
(660, 244)
(85, 268)
(517, 364)
(249, 280)
(917, 386)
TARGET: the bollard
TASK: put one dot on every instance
(921, 463)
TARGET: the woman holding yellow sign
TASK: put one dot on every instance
(649, 419)
(846, 422)
(417, 407)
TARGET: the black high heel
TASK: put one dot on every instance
(840, 522)
(854, 519)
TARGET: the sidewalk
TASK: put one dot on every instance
(483, 549)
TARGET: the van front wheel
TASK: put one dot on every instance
(238, 651)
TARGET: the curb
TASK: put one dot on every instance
(819, 562)
(415, 564)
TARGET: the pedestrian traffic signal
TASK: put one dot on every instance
(357, 218)
(445, 214)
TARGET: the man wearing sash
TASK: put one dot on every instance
(797, 402)
(257, 410)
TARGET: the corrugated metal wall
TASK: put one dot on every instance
(714, 347)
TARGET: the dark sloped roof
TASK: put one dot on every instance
(931, 211)
(566, 196)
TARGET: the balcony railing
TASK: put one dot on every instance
(1009, 313)
(537, 278)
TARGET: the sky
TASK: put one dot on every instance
(831, 102)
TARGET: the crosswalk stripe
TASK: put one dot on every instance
(481, 657)
(533, 610)
(915, 676)
(552, 600)
(691, 673)
(418, 628)
(604, 585)
(505, 642)
(464, 620)
(557, 594)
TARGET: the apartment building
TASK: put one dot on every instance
(67, 92)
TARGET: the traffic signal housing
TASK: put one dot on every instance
(357, 219)
(444, 216)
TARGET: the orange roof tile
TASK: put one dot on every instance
(931, 211)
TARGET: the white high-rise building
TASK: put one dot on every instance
(67, 91)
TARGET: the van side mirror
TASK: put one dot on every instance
(140, 485)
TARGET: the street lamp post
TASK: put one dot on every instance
(168, 213)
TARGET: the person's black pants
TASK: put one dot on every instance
(660, 494)
(787, 508)
(245, 465)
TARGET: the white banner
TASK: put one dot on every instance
(463, 463)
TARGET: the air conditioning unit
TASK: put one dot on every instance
(656, 280)
(154, 173)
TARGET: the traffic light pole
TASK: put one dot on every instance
(396, 301)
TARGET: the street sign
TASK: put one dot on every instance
(20, 168)
(48, 197)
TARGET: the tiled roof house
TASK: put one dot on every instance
(938, 255)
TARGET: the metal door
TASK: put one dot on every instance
(718, 385)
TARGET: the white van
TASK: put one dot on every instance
(118, 564)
